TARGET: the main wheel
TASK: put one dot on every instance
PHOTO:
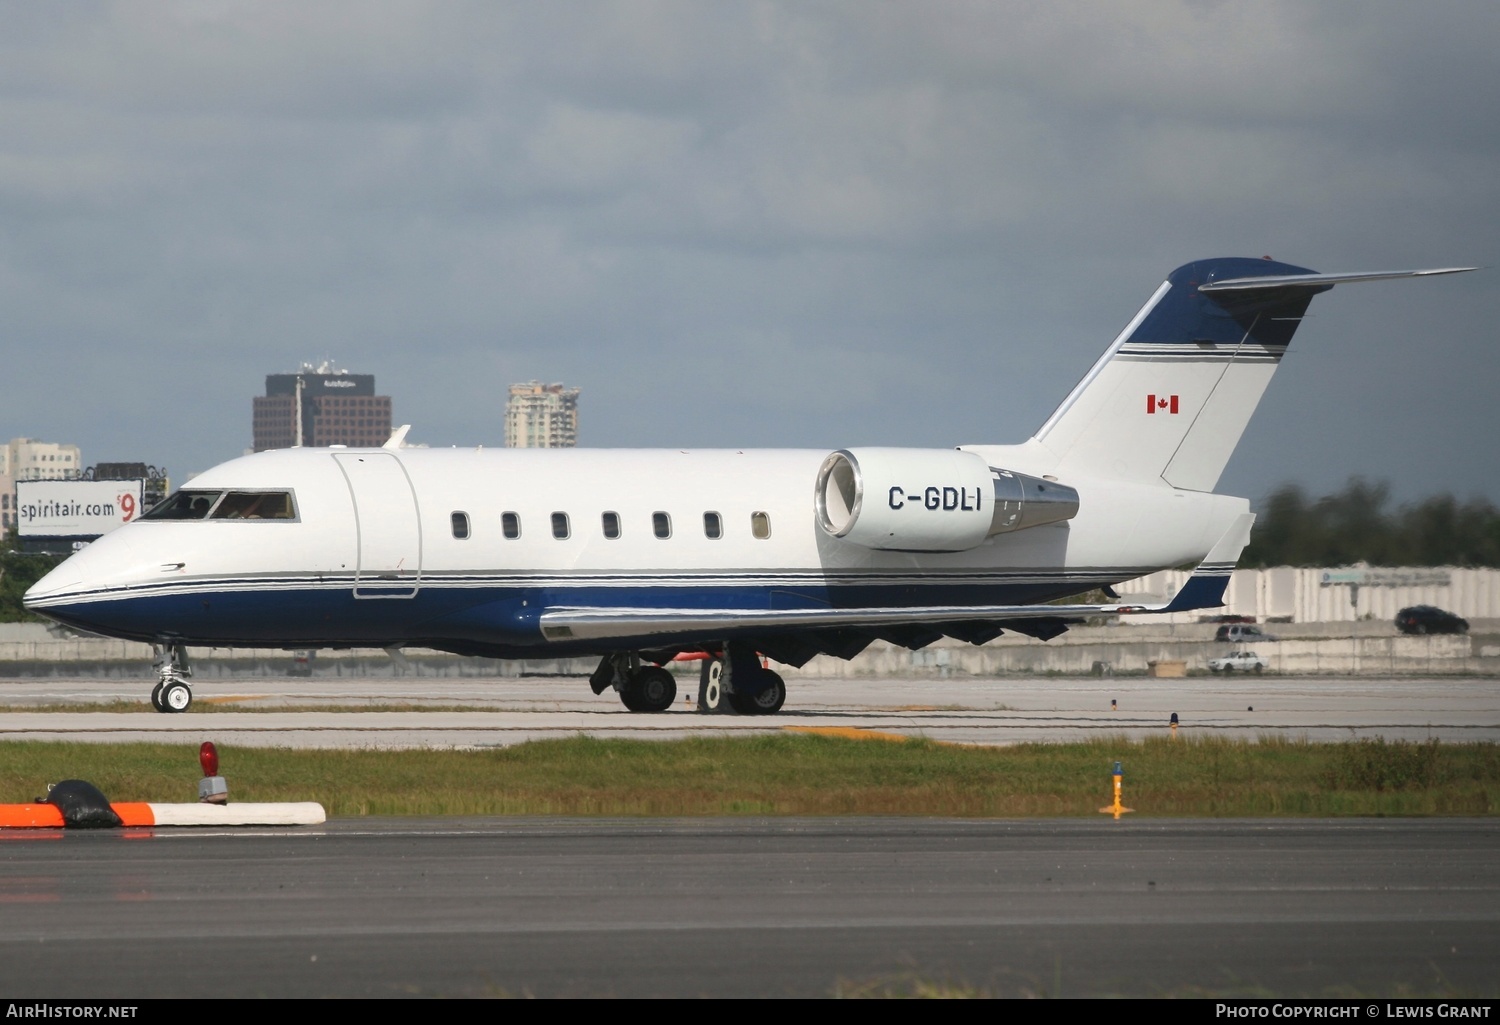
(711, 686)
(176, 696)
(650, 689)
(767, 702)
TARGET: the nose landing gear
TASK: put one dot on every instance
(171, 693)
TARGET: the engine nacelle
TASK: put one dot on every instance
(930, 500)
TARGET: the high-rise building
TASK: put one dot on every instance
(321, 406)
(541, 415)
(29, 459)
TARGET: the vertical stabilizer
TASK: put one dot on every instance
(1171, 397)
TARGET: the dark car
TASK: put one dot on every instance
(1425, 619)
(1237, 633)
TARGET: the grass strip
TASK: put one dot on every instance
(801, 774)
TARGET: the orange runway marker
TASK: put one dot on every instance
(30, 816)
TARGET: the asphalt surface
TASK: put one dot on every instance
(756, 908)
(322, 712)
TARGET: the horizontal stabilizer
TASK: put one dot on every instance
(1321, 281)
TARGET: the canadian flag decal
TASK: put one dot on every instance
(1161, 403)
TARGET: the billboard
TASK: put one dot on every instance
(75, 508)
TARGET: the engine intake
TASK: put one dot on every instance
(931, 500)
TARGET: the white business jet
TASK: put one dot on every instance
(637, 556)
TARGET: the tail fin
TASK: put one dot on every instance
(1171, 396)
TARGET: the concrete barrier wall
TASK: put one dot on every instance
(1300, 596)
(1337, 656)
(1367, 648)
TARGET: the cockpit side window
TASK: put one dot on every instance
(184, 505)
(255, 505)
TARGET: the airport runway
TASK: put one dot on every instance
(756, 907)
(325, 712)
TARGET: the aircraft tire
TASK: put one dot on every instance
(176, 696)
(767, 702)
(650, 689)
(156, 698)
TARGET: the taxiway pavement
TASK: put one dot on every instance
(346, 712)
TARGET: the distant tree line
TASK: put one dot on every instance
(17, 573)
(1357, 525)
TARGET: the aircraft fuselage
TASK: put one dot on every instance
(384, 547)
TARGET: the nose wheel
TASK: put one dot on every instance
(171, 696)
(171, 693)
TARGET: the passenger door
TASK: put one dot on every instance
(388, 529)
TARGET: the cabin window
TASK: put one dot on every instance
(612, 525)
(184, 505)
(760, 525)
(461, 526)
(510, 525)
(560, 526)
(661, 525)
(713, 527)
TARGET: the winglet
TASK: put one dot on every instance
(397, 438)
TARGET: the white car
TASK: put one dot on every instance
(1244, 661)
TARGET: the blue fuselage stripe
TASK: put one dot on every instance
(505, 616)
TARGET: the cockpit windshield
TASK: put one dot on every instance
(184, 505)
(225, 505)
(254, 505)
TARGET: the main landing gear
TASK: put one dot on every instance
(737, 684)
(171, 693)
(642, 688)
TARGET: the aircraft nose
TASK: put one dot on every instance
(81, 572)
(57, 583)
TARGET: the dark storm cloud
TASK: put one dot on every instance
(738, 224)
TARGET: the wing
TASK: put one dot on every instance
(1204, 589)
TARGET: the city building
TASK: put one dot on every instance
(320, 406)
(155, 483)
(29, 459)
(541, 416)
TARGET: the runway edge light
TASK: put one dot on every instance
(212, 789)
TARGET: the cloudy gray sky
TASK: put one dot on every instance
(747, 224)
